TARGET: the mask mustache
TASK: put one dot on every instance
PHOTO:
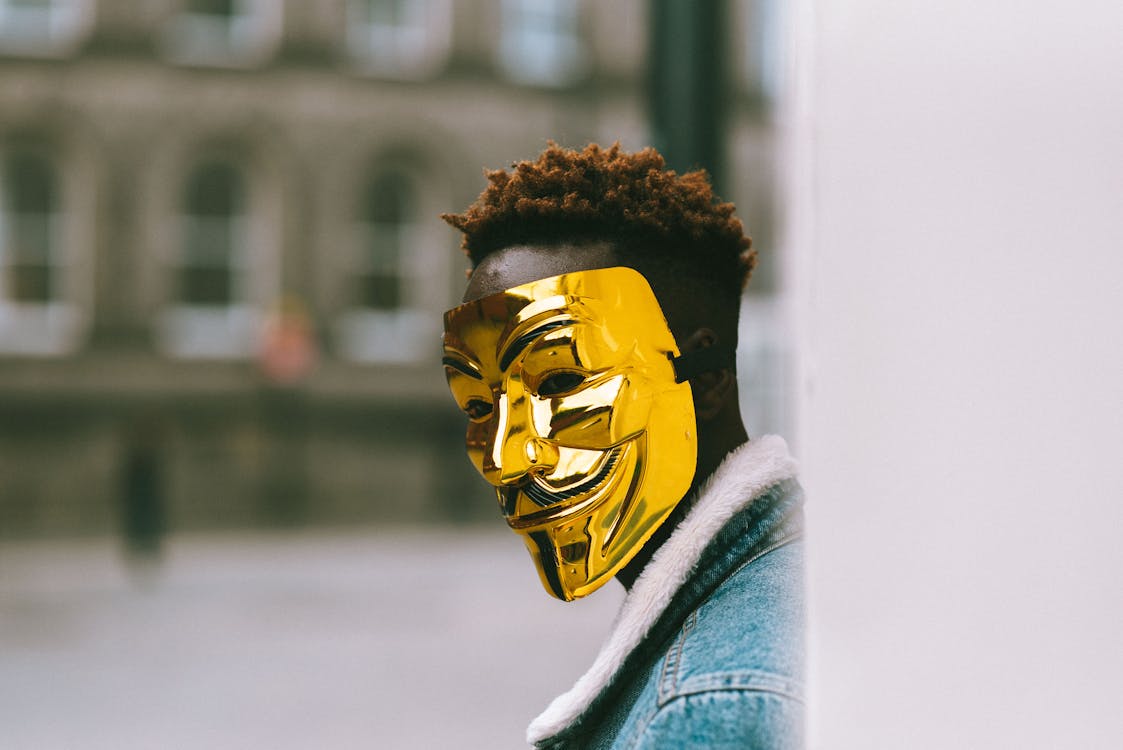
(544, 497)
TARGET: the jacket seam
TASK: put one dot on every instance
(668, 677)
(652, 716)
(750, 681)
(783, 541)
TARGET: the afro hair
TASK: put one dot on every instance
(651, 213)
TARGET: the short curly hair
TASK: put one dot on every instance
(630, 199)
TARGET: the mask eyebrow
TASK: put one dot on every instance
(461, 366)
(515, 347)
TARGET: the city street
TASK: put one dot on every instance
(395, 638)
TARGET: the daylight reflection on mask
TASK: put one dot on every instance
(575, 417)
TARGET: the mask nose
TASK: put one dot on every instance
(515, 449)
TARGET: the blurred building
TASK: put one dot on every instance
(221, 271)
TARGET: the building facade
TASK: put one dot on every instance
(221, 268)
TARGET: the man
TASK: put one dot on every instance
(594, 358)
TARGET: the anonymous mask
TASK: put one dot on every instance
(575, 416)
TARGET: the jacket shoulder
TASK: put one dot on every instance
(747, 636)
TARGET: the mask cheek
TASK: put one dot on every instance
(476, 441)
(600, 418)
(632, 411)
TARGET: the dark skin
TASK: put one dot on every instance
(720, 428)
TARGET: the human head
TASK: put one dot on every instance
(534, 236)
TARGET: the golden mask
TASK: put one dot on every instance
(575, 416)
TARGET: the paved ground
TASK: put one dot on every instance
(395, 639)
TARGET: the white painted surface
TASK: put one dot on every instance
(956, 245)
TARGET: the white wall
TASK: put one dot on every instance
(956, 244)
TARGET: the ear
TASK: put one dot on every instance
(712, 390)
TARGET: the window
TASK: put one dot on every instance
(42, 27)
(541, 42)
(30, 218)
(212, 314)
(213, 237)
(386, 230)
(35, 315)
(391, 274)
(224, 32)
(399, 37)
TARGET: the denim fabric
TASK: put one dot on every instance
(723, 667)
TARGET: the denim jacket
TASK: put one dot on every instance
(707, 651)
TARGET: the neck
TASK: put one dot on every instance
(714, 444)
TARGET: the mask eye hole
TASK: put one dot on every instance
(560, 383)
(477, 408)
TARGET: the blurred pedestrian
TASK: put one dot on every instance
(143, 513)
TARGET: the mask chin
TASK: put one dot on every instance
(579, 548)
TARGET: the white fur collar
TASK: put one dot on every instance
(743, 476)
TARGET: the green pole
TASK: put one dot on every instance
(687, 84)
